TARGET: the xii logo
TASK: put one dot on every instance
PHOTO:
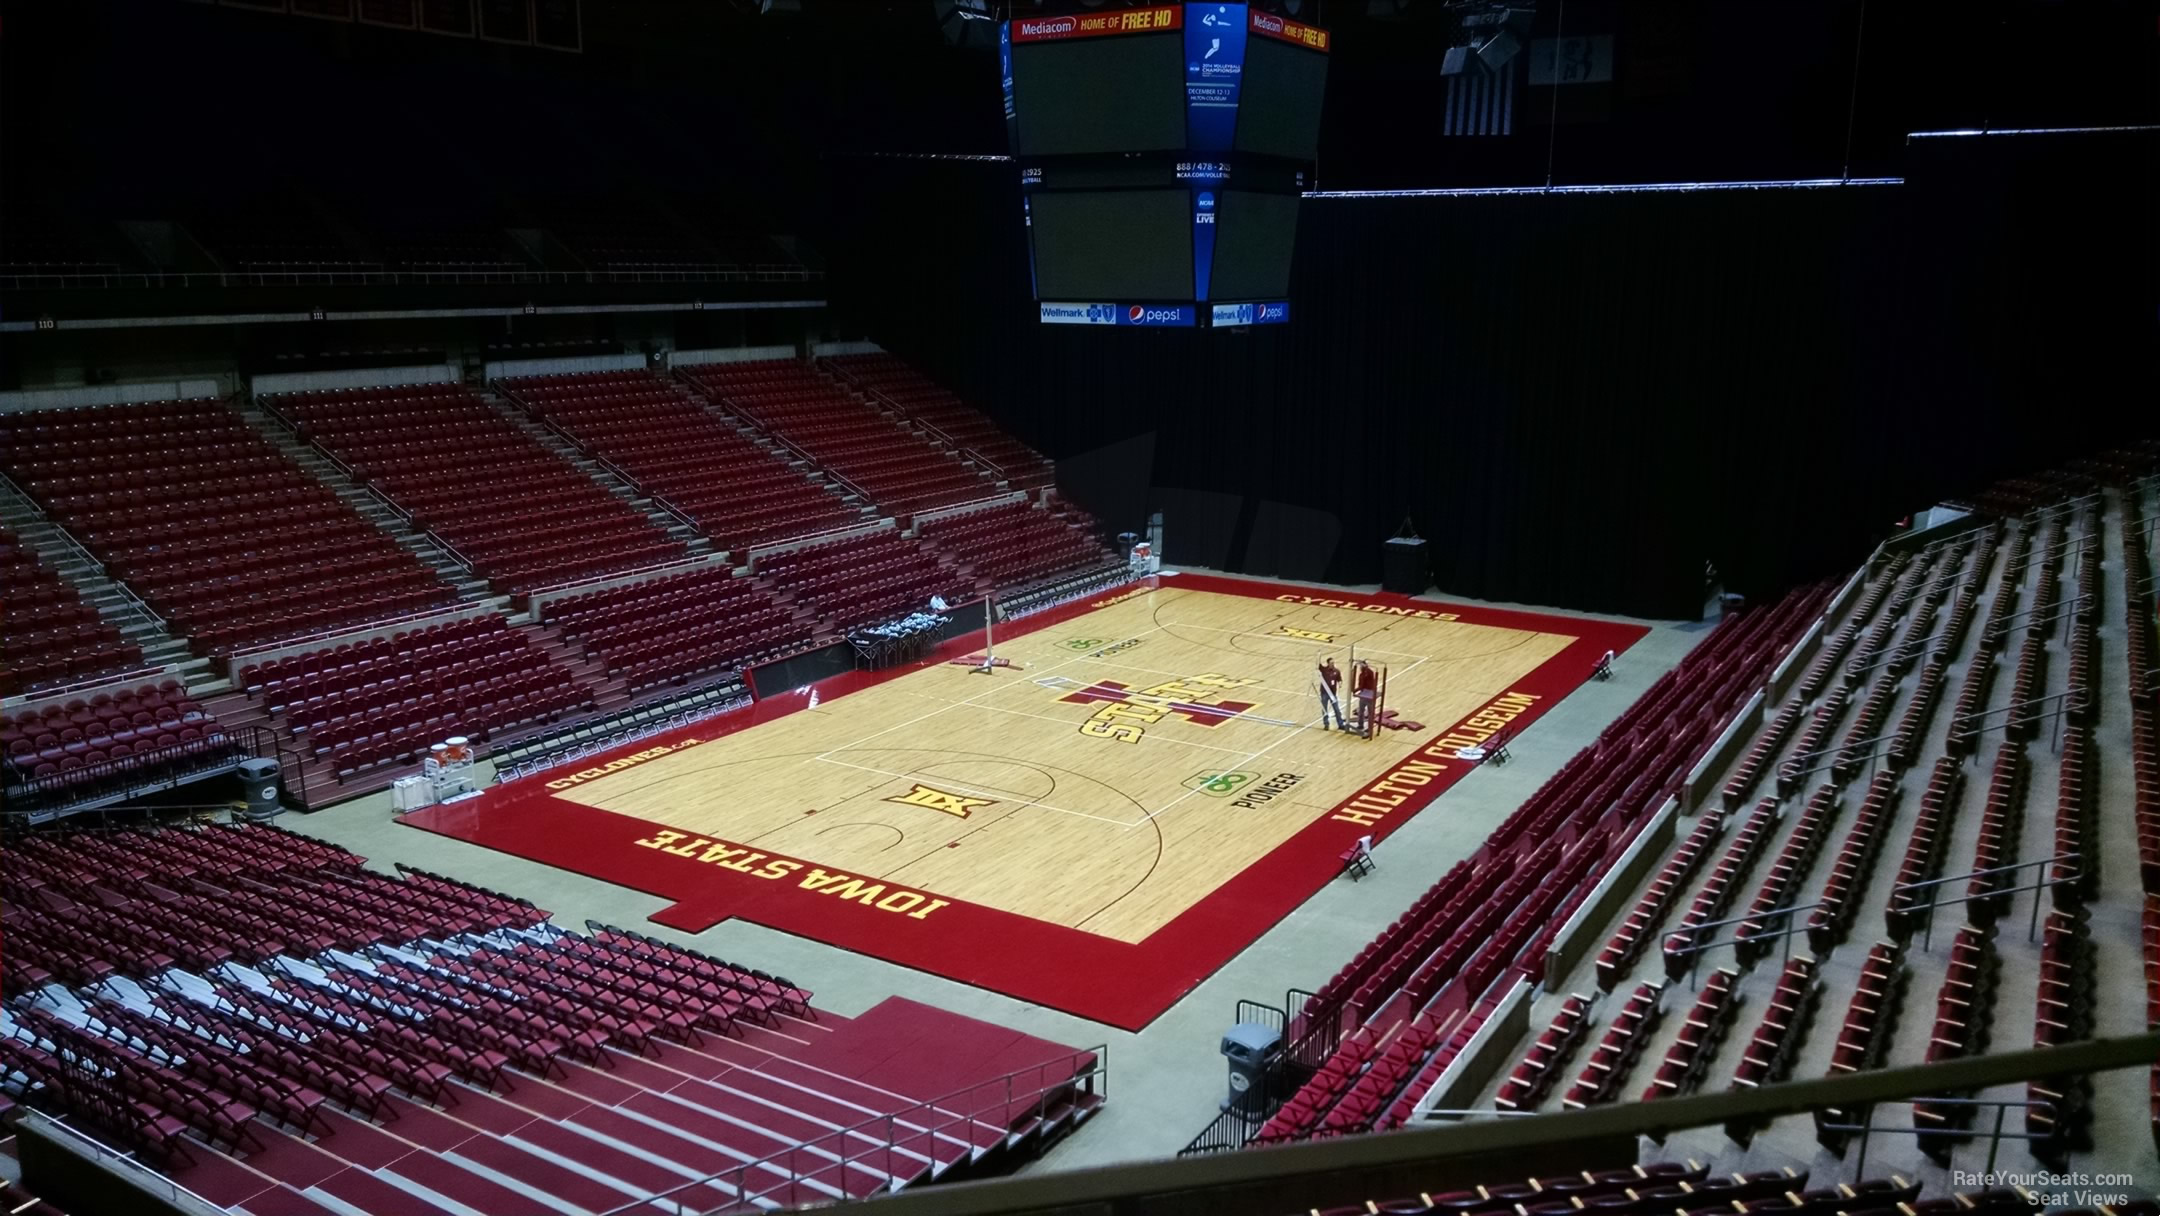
(1309, 635)
(934, 799)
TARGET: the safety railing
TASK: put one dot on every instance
(809, 540)
(952, 1120)
(258, 652)
(142, 771)
(39, 696)
(122, 1163)
(533, 599)
(81, 552)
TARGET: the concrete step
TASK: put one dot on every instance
(555, 443)
(59, 554)
(364, 501)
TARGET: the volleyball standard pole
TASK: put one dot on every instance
(989, 663)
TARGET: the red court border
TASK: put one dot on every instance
(1124, 984)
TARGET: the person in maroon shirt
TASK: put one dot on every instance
(1330, 686)
(1366, 681)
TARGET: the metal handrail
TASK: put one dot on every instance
(128, 1161)
(32, 698)
(630, 575)
(279, 648)
(809, 540)
(860, 1132)
(937, 432)
(83, 553)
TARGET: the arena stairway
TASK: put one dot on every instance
(363, 500)
(166, 653)
(674, 526)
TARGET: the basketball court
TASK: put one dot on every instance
(1145, 789)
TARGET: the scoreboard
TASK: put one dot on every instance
(1162, 151)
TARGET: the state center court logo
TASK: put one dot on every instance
(1127, 712)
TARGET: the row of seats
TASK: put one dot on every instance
(1781, 887)
(1717, 892)
(1747, 773)
(49, 634)
(520, 515)
(675, 659)
(1686, 1061)
(860, 580)
(2142, 654)
(1664, 1187)
(2075, 871)
(1988, 894)
(1924, 849)
(2015, 560)
(1807, 753)
(671, 629)
(1860, 736)
(1016, 545)
(2063, 1013)
(1450, 1048)
(1877, 639)
(112, 741)
(1964, 1009)
(931, 403)
(676, 450)
(1533, 1076)
(400, 733)
(294, 678)
(321, 718)
(901, 471)
(1919, 711)
(267, 554)
(2151, 925)
(1637, 929)
(1776, 1042)
(317, 696)
(1618, 1049)
(1839, 903)
(1864, 1038)
(1965, 724)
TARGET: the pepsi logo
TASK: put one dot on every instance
(1135, 313)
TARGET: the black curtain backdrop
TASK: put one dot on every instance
(1580, 399)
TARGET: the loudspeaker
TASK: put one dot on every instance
(1404, 565)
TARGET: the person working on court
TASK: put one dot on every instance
(1366, 682)
(1330, 686)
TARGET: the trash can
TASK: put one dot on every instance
(1250, 1048)
(259, 785)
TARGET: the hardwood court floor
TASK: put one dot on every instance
(1096, 828)
(1132, 761)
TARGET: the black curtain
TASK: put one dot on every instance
(1580, 399)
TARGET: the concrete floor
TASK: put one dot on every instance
(1166, 1079)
